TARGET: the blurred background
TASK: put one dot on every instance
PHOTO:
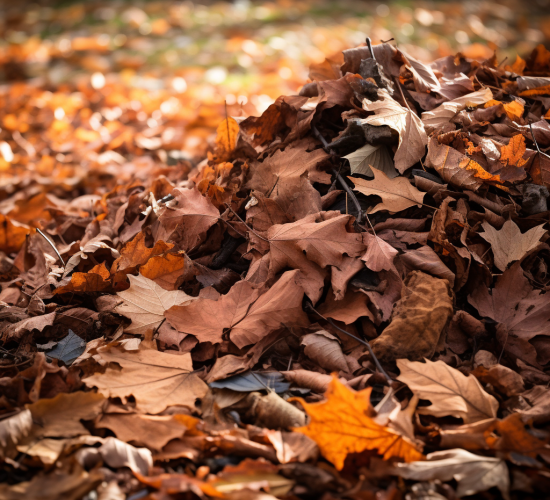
(175, 63)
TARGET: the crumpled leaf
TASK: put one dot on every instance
(473, 473)
(418, 318)
(397, 194)
(368, 156)
(249, 314)
(342, 425)
(95, 280)
(145, 303)
(456, 168)
(13, 429)
(412, 136)
(325, 349)
(509, 244)
(253, 381)
(155, 379)
(441, 115)
(449, 391)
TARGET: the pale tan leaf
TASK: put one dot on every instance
(397, 194)
(473, 473)
(441, 115)
(369, 156)
(155, 379)
(14, 428)
(412, 136)
(450, 391)
(145, 303)
(509, 244)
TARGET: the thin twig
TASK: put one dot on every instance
(52, 245)
(342, 182)
(364, 342)
(402, 94)
(246, 225)
(535, 141)
(369, 45)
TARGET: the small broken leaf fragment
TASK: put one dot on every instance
(341, 425)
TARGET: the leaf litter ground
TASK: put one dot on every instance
(273, 320)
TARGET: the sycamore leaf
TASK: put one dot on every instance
(341, 425)
(155, 379)
(509, 244)
(473, 473)
(145, 303)
(441, 115)
(369, 156)
(514, 303)
(397, 194)
(249, 314)
(512, 153)
(449, 391)
(412, 136)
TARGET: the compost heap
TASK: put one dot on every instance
(345, 299)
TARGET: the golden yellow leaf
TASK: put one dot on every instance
(12, 236)
(512, 153)
(226, 138)
(514, 110)
(341, 425)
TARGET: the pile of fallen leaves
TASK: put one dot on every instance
(345, 299)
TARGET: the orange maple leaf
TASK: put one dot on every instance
(512, 153)
(342, 425)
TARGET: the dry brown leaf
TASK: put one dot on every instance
(151, 431)
(13, 429)
(311, 245)
(418, 318)
(61, 416)
(473, 473)
(456, 168)
(145, 303)
(441, 115)
(249, 314)
(379, 255)
(341, 425)
(155, 379)
(368, 156)
(449, 391)
(412, 136)
(324, 348)
(509, 244)
(397, 194)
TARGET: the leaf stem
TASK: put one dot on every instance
(52, 245)
(246, 225)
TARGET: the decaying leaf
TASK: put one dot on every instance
(418, 319)
(343, 424)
